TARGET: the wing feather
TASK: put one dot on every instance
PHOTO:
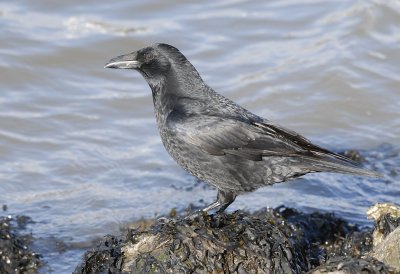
(221, 136)
(253, 138)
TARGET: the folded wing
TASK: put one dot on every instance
(254, 140)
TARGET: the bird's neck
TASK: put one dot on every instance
(168, 92)
(164, 100)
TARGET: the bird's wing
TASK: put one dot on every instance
(302, 142)
(255, 139)
(250, 140)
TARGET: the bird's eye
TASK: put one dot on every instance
(148, 56)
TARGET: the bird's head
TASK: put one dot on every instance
(159, 64)
(149, 61)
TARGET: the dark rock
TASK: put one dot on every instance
(225, 243)
(15, 253)
(278, 240)
(107, 258)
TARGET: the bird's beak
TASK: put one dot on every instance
(126, 61)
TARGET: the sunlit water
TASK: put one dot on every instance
(79, 148)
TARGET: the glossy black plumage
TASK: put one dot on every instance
(217, 140)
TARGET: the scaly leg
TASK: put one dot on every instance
(224, 199)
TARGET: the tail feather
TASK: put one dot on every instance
(329, 164)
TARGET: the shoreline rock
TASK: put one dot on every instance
(279, 240)
(16, 255)
(386, 233)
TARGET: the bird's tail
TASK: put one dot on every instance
(329, 164)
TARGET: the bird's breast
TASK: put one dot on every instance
(181, 151)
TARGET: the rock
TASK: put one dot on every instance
(278, 240)
(343, 265)
(107, 258)
(15, 253)
(386, 235)
(388, 251)
(225, 243)
(379, 210)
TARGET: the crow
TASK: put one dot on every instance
(219, 141)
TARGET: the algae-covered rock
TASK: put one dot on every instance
(224, 243)
(278, 240)
(15, 253)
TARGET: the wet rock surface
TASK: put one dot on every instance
(280, 240)
(16, 255)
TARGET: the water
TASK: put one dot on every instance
(79, 148)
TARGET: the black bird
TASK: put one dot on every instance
(217, 140)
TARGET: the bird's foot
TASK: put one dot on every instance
(195, 216)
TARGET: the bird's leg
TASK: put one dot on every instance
(224, 199)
